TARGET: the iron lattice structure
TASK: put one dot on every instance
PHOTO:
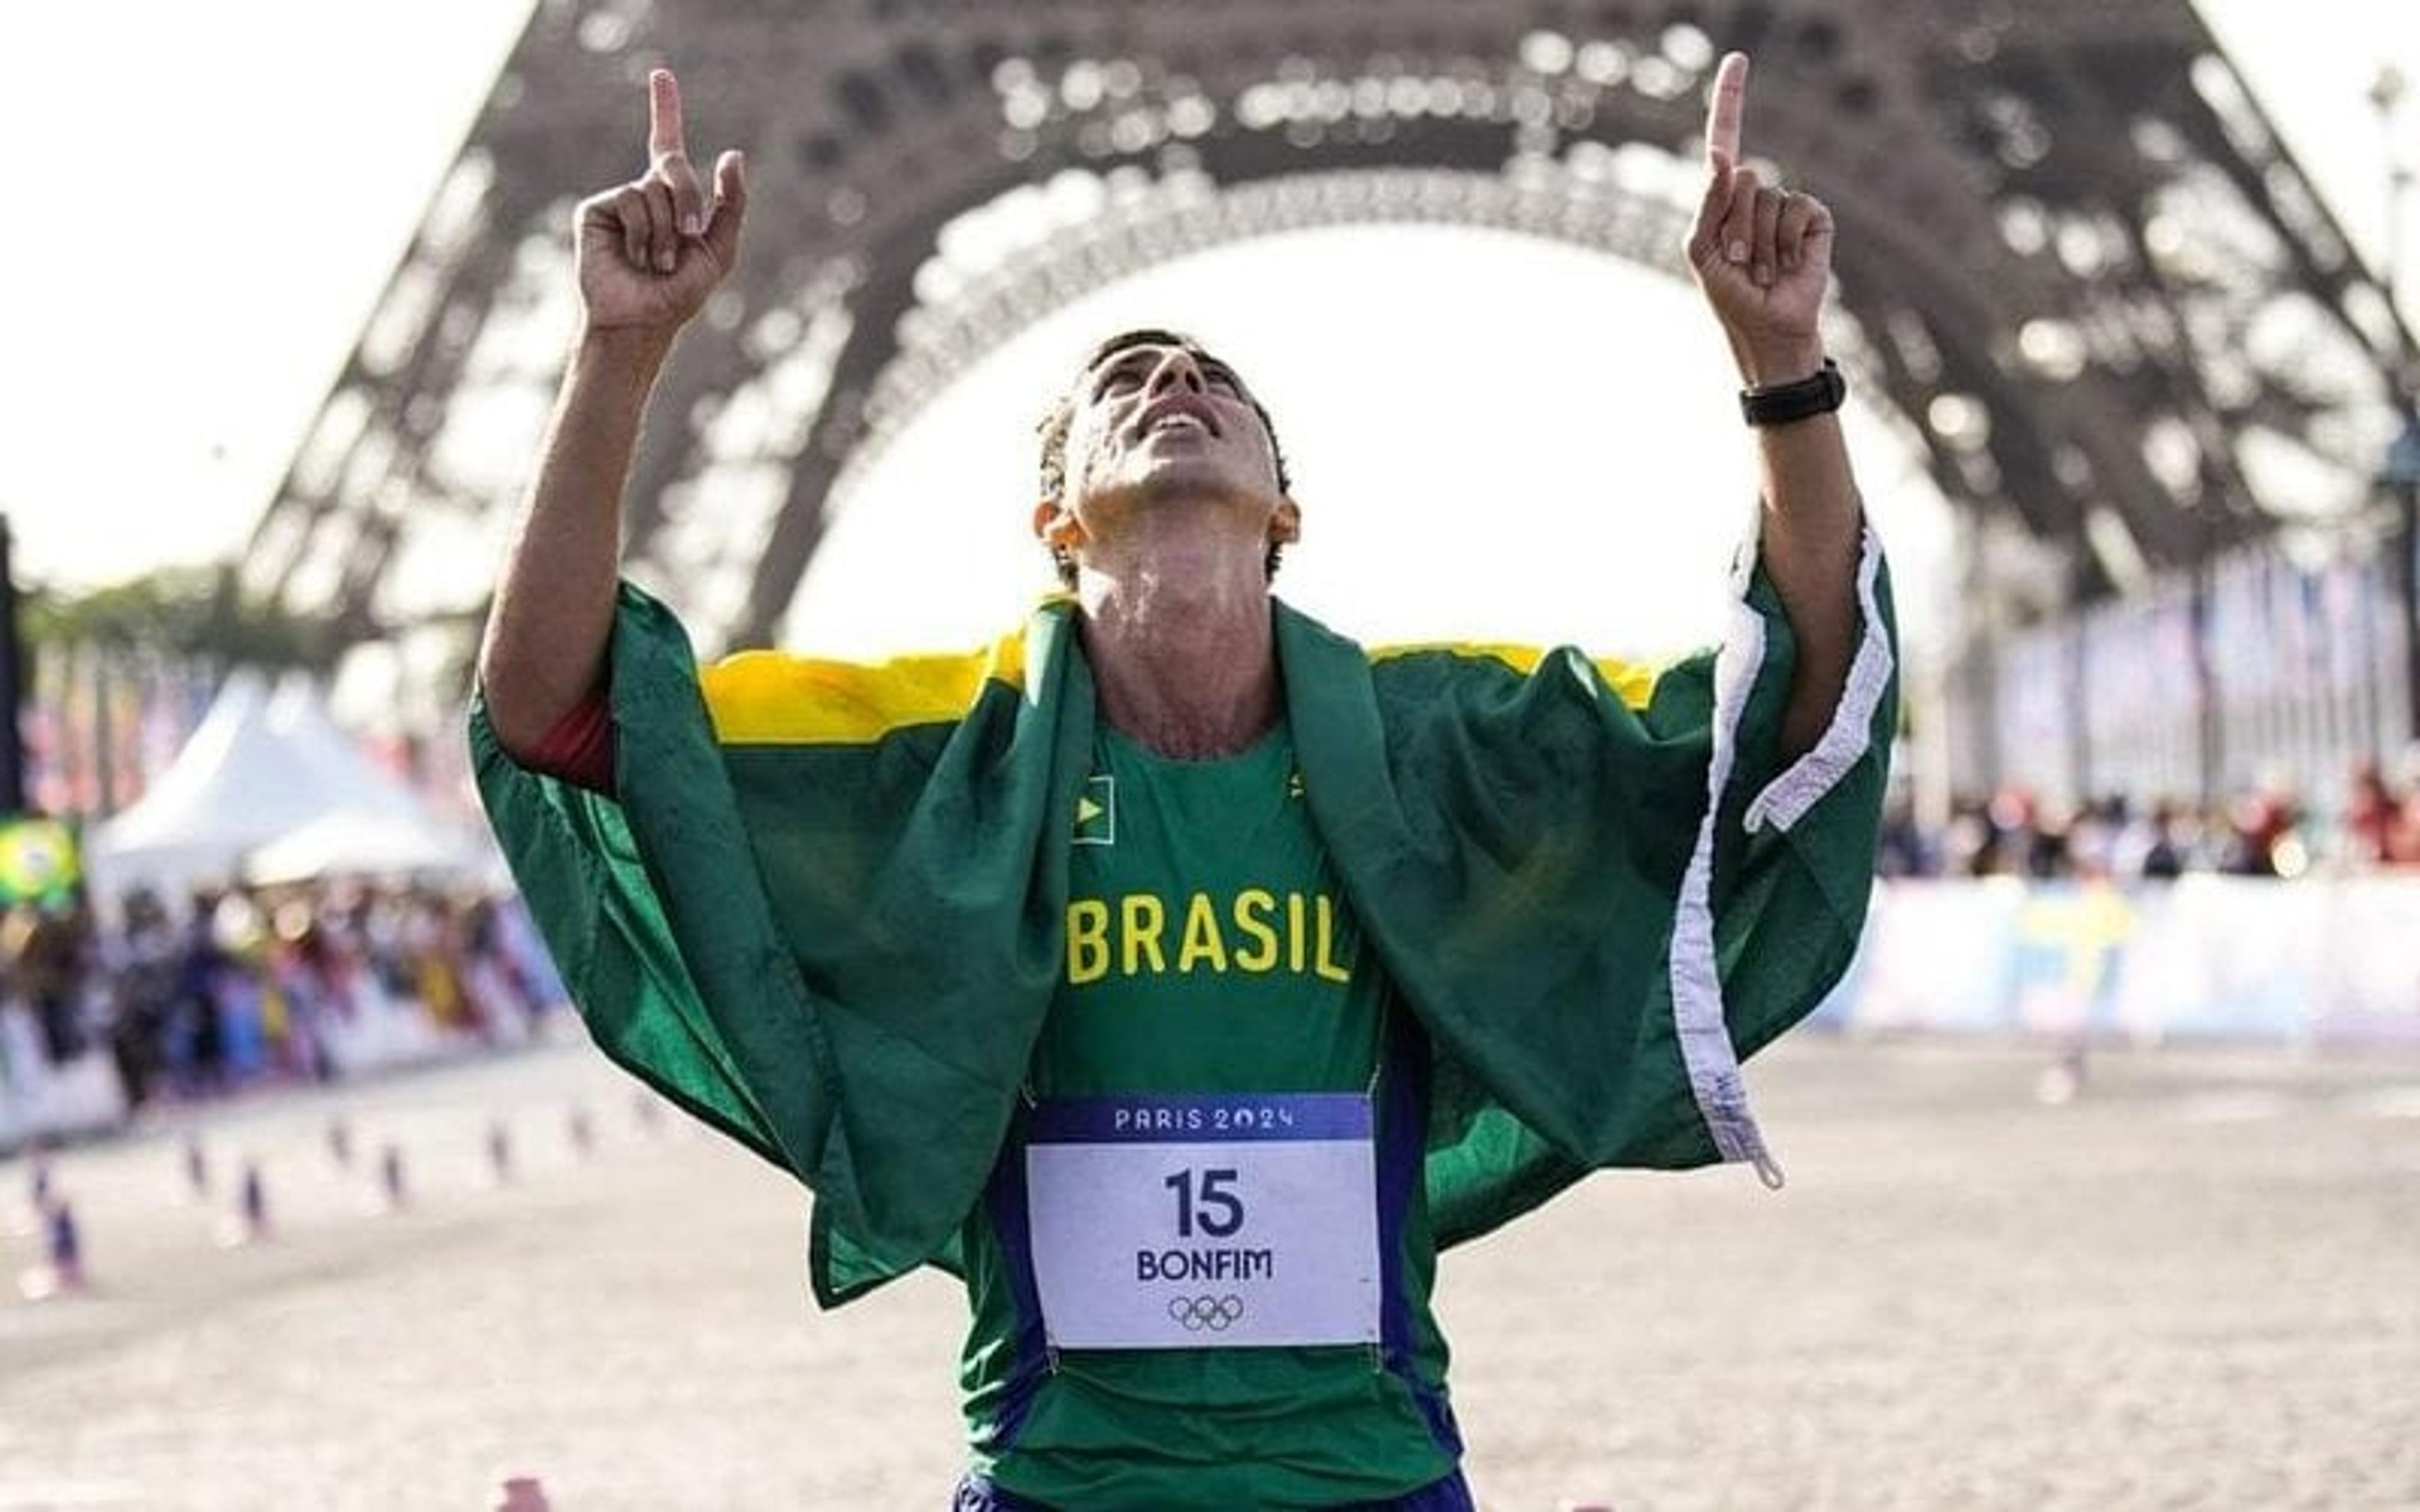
(2076, 258)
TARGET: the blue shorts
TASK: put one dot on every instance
(1452, 1494)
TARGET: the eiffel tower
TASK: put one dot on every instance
(2084, 271)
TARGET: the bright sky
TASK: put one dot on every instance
(230, 195)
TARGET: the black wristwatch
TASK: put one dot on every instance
(1779, 404)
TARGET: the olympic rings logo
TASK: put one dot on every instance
(1217, 1314)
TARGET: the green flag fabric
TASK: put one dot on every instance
(824, 908)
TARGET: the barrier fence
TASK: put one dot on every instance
(2304, 965)
(241, 1001)
(2314, 963)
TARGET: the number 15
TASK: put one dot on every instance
(1214, 1204)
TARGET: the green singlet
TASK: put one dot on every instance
(1210, 951)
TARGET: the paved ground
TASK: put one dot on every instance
(2197, 1285)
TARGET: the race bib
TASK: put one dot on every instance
(1213, 1221)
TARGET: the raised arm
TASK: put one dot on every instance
(1762, 256)
(648, 253)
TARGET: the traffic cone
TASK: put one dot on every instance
(391, 1184)
(2062, 1081)
(65, 1246)
(249, 1222)
(522, 1493)
(500, 1153)
(255, 1200)
(61, 1272)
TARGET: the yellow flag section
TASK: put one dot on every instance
(772, 698)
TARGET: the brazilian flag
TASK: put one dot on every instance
(824, 907)
(39, 862)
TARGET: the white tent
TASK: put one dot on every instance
(260, 768)
(298, 717)
(350, 842)
(231, 787)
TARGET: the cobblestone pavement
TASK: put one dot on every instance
(2198, 1284)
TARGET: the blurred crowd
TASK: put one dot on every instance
(2267, 831)
(240, 988)
(233, 989)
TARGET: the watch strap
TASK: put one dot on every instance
(1818, 394)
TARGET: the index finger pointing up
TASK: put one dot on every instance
(664, 115)
(1723, 113)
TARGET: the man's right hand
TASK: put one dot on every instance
(652, 250)
(649, 256)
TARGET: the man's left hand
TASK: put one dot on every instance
(1762, 253)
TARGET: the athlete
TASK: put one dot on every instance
(1178, 973)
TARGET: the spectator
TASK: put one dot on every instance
(2150, 849)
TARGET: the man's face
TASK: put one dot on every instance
(1163, 425)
